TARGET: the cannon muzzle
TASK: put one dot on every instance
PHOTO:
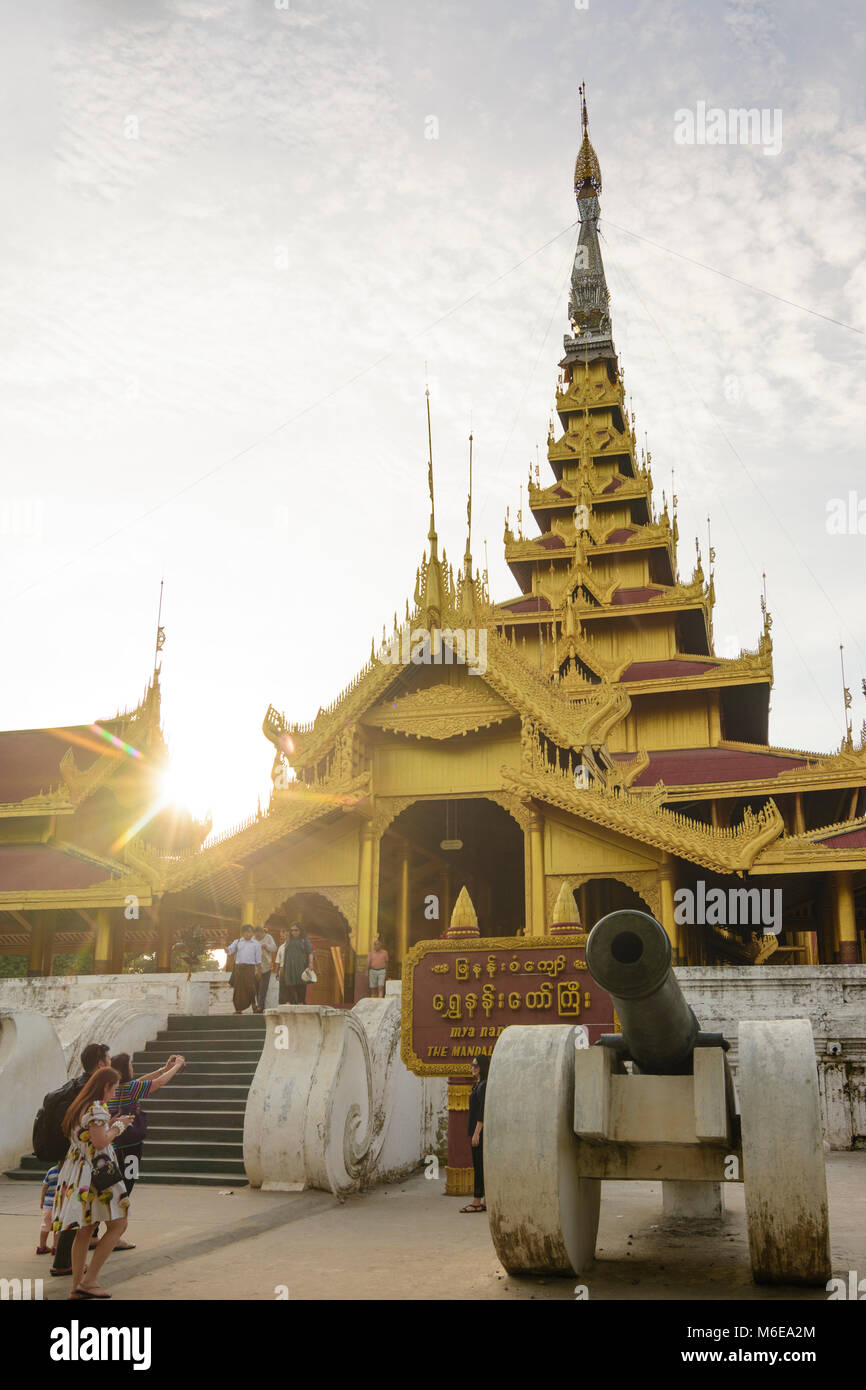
(629, 955)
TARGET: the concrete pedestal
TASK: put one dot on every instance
(692, 1201)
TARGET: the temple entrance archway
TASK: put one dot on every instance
(596, 897)
(419, 880)
(329, 934)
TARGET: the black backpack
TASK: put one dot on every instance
(49, 1142)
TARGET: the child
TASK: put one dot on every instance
(49, 1186)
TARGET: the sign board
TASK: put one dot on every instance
(458, 996)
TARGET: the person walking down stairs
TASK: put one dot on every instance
(295, 961)
(269, 950)
(247, 956)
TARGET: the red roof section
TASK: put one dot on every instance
(552, 542)
(655, 670)
(846, 839)
(612, 486)
(536, 604)
(25, 867)
(561, 492)
(622, 597)
(678, 767)
(624, 533)
(30, 758)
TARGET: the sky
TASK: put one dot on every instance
(238, 239)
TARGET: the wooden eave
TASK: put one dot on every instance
(671, 685)
(111, 893)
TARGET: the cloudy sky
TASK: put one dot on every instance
(233, 235)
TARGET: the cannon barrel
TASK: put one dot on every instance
(629, 955)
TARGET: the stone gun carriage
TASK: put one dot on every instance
(654, 1102)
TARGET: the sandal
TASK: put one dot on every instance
(472, 1208)
(96, 1292)
(124, 1245)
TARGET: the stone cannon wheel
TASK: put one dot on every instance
(783, 1153)
(543, 1217)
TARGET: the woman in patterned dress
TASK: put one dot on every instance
(77, 1204)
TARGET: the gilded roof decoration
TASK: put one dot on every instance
(441, 711)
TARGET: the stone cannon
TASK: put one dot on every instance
(654, 1102)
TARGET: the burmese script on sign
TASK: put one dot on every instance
(457, 999)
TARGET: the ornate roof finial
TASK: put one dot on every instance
(588, 307)
(587, 170)
(160, 631)
(848, 740)
(430, 595)
(467, 559)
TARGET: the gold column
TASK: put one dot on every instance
(845, 922)
(37, 942)
(583, 899)
(666, 888)
(715, 723)
(445, 905)
(248, 905)
(404, 899)
(48, 928)
(163, 942)
(117, 945)
(799, 818)
(538, 925)
(366, 911)
(102, 942)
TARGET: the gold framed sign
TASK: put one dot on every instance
(458, 996)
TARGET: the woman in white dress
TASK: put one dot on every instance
(77, 1204)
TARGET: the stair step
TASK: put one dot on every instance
(228, 1073)
(222, 1046)
(203, 1166)
(195, 1064)
(232, 1180)
(158, 1136)
(193, 1023)
(171, 1041)
(197, 1106)
(31, 1164)
(194, 1147)
(196, 1090)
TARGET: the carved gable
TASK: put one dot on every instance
(441, 710)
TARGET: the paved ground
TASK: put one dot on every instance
(408, 1241)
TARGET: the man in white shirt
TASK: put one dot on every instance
(269, 950)
(247, 956)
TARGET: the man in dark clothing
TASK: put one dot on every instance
(480, 1068)
(94, 1056)
(293, 958)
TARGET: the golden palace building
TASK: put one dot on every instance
(577, 747)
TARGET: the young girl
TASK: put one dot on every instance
(46, 1201)
(77, 1204)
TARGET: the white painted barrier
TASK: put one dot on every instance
(308, 1119)
(31, 1064)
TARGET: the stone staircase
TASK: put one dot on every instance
(195, 1124)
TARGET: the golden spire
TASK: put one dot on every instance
(587, 170)
(467, 559)
(430, 583)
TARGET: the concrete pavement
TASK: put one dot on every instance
(408, 1241)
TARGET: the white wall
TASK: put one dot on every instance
(31, 1064)
(832, 997)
